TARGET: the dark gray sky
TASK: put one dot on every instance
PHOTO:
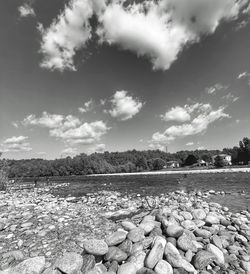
(108, 77)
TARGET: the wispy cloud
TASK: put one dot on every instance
(124, 106)
(16, 144)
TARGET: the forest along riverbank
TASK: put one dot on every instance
(105, 232)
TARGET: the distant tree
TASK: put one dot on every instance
(244, 151)
(219, 162)
(190, 160)
(158, 164)
(141, 164)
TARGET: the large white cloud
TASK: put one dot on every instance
(124, 106)
(158, 30)
(16, 144)
(70, 129)
(204, 115)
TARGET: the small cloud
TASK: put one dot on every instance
(217, 87)
(69, 152)
(230, 97)
(15, 124)
(201, 148)
(99, 148)
(237, 121)
(41, 153)
(124, 106)
(177, 113)
(243, 75)
(190, 144)
(26, 10)
(88, 106)
(102, 102)
(16, 144)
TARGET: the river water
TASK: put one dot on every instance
(235, 185)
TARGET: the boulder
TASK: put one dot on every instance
(174, 231)
(202, 259)
(156, 253)
(115, 254)
(95, 247)
(88, 262)
(127, 225)
(33, 265)
(127, 268)
(69, 263)
(136, 234)
(116, 238)
(217, 252)
(163, 267)
(199, 214)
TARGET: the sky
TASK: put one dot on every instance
(84, 76)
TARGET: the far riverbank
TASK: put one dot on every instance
(169, 172)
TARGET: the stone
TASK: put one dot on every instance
(202, 233)
(212, 219)
(127, 268)
(113, 267)
(137, 247)
(126, 246)
(136, 234)
(174, 231)
(115, 254)
(139, 260)
(116, 238)
(98, 269)
(156, 253)
(246, 266)
(187, 215)
(188, 224)
(163, 267)
(217, 252)
(88, 262)
(2, 226)
(145, 270)
(199, 214)
(172, 240)
(33, 265)
(127, 225)
(185, 243)
(95, 247)
(216, 240)
(70, 263)
(147, 226)
(202, 259)
(175, 259)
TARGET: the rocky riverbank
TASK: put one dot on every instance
(109, 233)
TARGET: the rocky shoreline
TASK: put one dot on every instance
(106, 232)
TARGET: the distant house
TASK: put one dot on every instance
(202, 163)
(225, 157)
(172, 164)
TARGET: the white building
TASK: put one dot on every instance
(225, 157)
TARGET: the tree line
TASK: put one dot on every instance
(118, 162)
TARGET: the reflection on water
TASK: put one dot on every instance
(235, 184)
